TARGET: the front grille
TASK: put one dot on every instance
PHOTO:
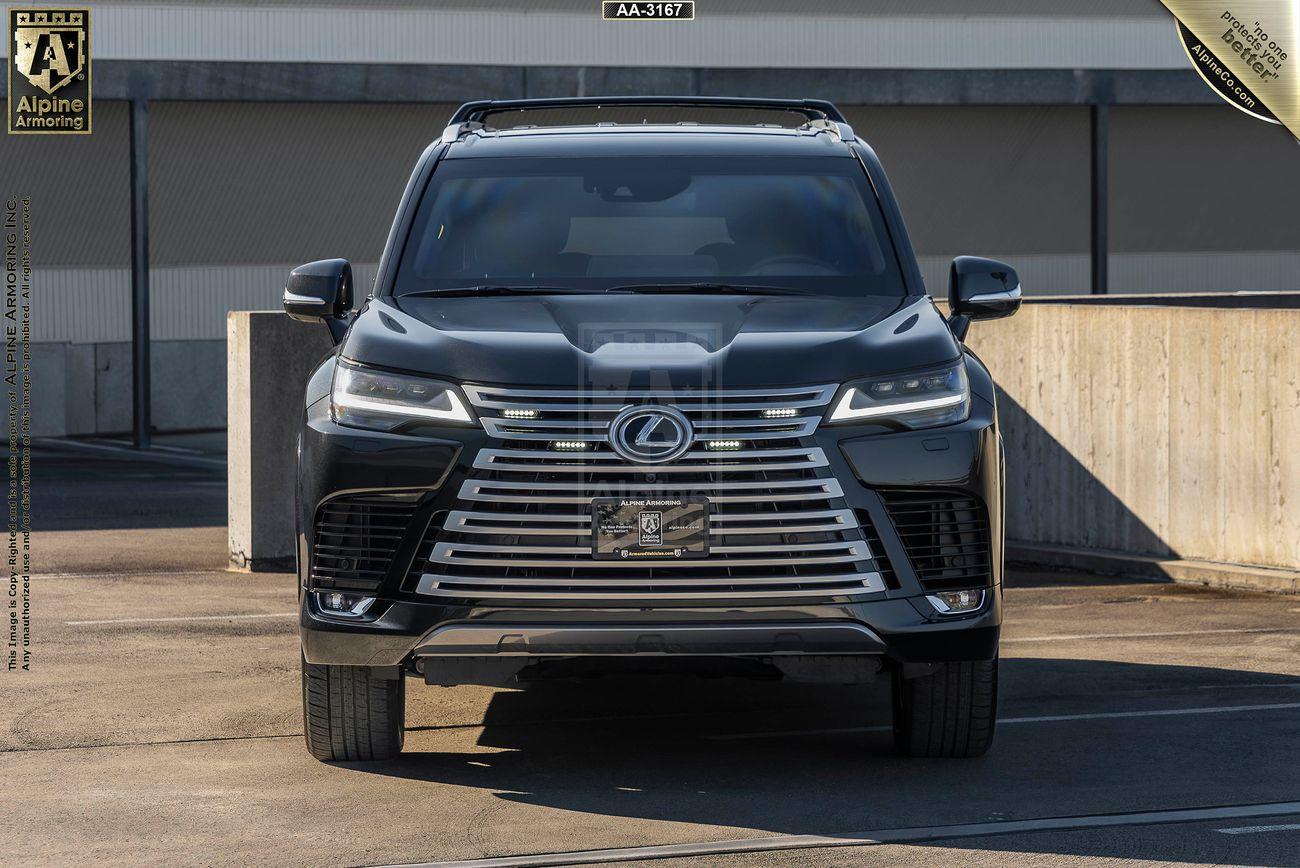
(521, 527)
(356, 537)
(946, 536)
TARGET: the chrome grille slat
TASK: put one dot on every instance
(718, 459)
(836, 553)
(779, 528)
(722, 524)
(496, 429)
(687, 407)
(480, 395)
(608, 462)
(706, 429)
(799, 489)
(603, 424)
(841, 516)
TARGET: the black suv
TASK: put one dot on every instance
(641, 394)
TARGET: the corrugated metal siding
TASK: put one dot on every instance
(92, 305)
(973, 178)
(81, 304)
(1201, 178)
(1198, 271)
(541, 37)
(248, 183)
(80, 190)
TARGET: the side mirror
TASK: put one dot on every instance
(319, 291)
(980, 288)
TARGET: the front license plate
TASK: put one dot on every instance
(657, 528)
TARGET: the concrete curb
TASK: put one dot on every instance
(1187, 572)
(262, 565)
(127, 453)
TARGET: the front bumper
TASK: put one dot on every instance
(897, 623)
(899, 629)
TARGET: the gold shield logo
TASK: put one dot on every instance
(49, 76)
(49, 47)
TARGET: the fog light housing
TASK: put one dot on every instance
(343, 605)
(957, 602)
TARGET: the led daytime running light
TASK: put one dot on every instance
(844, 410)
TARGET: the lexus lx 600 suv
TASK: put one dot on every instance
(653, 387)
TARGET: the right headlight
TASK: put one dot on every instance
(918, 399)
(384, 401)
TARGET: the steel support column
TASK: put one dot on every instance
(140, 410)
(1100, 195)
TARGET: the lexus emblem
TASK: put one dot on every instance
(650, 435)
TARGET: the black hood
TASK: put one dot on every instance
(650, 340)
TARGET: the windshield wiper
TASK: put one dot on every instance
(707, 288)
(495, 289)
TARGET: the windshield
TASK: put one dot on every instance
(809, 224)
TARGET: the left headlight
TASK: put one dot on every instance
(383, 401)
(919, 399)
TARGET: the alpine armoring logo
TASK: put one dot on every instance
(49, 71)
(1217, 75)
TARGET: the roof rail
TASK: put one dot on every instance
(812, 109)
(455, 131)
(838, 129)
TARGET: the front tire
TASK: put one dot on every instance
(951, 712)
(352, 714)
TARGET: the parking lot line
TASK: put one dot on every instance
(1047, 718)
(1253, 830)
(162, 455)
(177, 619)
(909, 835)
(118, 574)
(1173, 634)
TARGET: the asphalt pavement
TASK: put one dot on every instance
(162, 725)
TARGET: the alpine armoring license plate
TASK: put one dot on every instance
(653, 528)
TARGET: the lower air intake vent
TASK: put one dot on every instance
(872, 536)
(946, 535)
(356, 537)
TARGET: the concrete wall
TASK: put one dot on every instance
(269, 357)
(1162, 431)
(85, 388)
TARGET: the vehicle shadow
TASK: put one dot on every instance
(1053, 499)
(662, 749)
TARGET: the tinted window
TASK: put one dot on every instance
(804, 223)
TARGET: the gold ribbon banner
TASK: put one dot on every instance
(1249, 52)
